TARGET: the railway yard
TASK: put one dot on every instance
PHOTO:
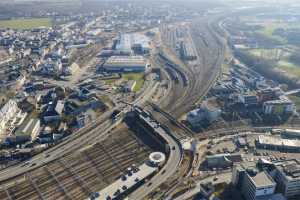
(87, 163)
(191, 77)
(95, 162)
(77, 175)
(153, 86)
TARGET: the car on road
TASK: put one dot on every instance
(25, 164)
(33, 164)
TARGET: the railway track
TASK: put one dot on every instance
(180, 90)
(172, 119)
(76, 176)
(84, 165)
(201, 74)
(177, 88)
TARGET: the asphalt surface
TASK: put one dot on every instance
(167, 171)
(92, 133)
(201, 77)
(224, 177)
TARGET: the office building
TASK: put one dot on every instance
(283, 105)
(254, 184)
(248, 99)
(205, 112)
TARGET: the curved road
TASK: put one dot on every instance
(96, 131)
(167, 171)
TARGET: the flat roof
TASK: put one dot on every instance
(290, 168)
(281, 100)
(127, 40)
(294, 132)
(123, 61)
(258, 178)
(262, 179)
(276, 141)
(111, 190)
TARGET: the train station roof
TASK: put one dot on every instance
(126, 181)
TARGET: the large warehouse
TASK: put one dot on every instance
(125, 64)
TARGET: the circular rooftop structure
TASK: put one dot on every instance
(157, 158)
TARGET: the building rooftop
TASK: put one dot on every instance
(262, 179)
(126, 182)
(59, 106)
(291, 133)
(126, 41)
(282, 100)
(242, 141)
(123, 61)
(28, 125)
(276, 141)
(258, 177)
(290, 168)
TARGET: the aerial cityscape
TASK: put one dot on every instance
(149, 100)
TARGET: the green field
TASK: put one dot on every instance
(25, 23)
(138, 77)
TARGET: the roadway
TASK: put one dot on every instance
(184, 98)
(74, 142)
(168, 169)
(222, 177)
(180, 102)
(97, 131)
